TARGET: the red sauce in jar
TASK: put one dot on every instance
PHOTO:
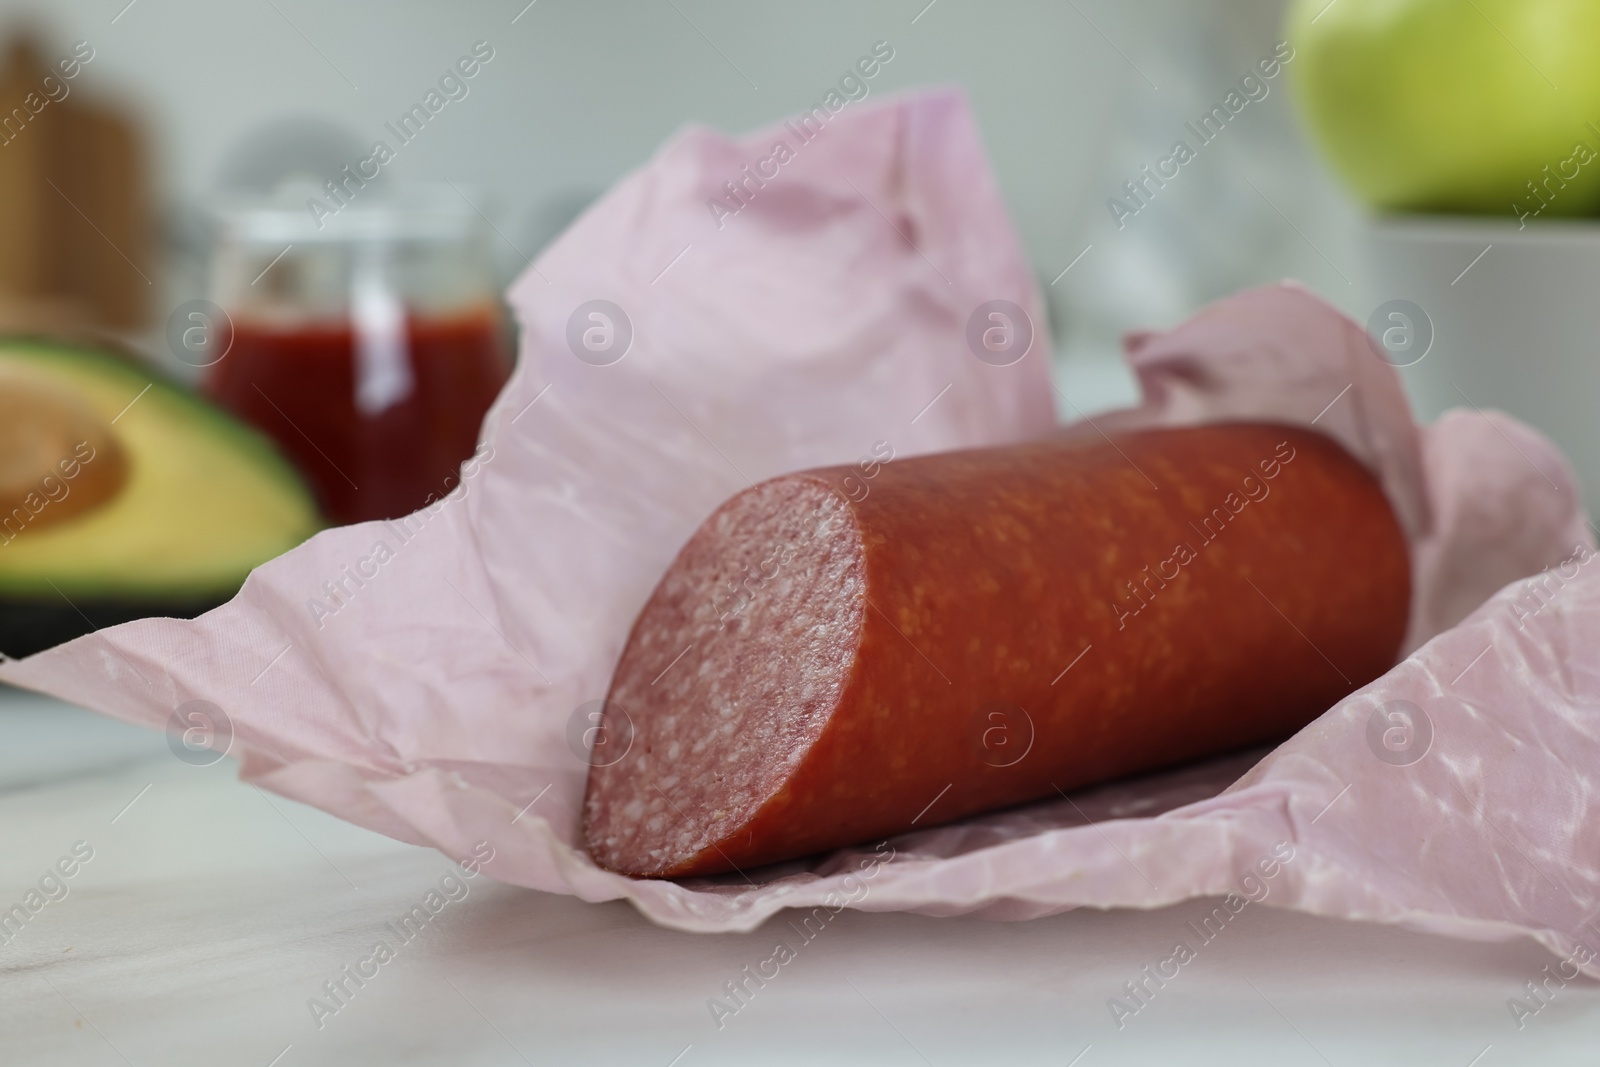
(378, 426)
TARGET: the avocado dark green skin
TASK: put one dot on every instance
(29, 625)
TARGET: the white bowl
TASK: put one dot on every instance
(1515, 316)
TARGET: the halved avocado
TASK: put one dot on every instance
(124, 495)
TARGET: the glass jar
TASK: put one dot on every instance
(368, 342)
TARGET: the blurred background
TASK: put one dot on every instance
(1072, 97)
(157, 158)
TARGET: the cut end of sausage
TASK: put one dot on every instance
(732, 670)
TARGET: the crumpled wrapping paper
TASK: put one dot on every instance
(426, 689)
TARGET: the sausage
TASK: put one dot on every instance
(843, 654)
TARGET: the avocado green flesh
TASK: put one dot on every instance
(206, 500)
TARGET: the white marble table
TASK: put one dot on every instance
(211, 913)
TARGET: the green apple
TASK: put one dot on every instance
(1455, 105)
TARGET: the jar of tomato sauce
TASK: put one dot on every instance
(368, 343)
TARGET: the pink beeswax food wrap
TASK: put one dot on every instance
(422, 677)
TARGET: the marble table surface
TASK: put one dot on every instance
(209, 914)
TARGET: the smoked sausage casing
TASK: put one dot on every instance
(842, 654)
